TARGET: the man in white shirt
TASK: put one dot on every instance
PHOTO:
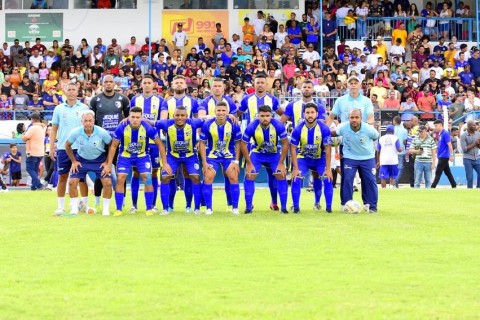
(309, 56)
(180, 39)
(280, 35)
(35, 59)
(236, 42)
(372, 58)
(258, 24)
(397, 50)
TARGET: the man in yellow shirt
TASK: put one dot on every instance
(382, 48)
(400, 33)
(450, 54)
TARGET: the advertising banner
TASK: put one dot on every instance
(28, 26)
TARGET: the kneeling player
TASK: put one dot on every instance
(265, 133)
(310, 150)
(132, 137)
(181, 140)
(91, 142)
(220, 145)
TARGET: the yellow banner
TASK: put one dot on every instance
(281, 16)
(196, 23)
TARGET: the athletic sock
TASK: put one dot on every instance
(189, 192)
(85, 201)
(97, 200)
(149, 199)
(135, 186)
(235, 194)
(165, 195)
(249, 186)
(317, 190)
(227, 192)
(328, 192)
(155, 190)
(61, 203)
(197, 194)
(119, 200)
(272, 186)
(296, 188)
(207, 195)
(106, 207)
(283, 192)
(74, 205)
(172, 193)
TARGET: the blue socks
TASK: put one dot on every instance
(234, 194)
(135, 186)
(317, 189)
(165, 195)
(249, 186)
(119, 200)
(197, 193)
(227, 191)
(283, 192)
(149, 200)
(272, 186)
(189, 192)
(328, 191)
(296, 188)
(155, 190)
(207, 195)
(172, 192)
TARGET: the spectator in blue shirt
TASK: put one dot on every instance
(444, 154)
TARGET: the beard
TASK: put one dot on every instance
(179, 91)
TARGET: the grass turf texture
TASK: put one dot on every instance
(417, 259)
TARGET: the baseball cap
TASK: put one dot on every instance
(353, 78)
(362, 55)
(179, 24)
(445, 93)
(297, 70)
(390, 128)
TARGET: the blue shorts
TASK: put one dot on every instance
(388, 171)
(216, 162)
(191, 164)
(63, 161)
(142, 164)
(317, 165)
(154, 156)
(269, 161)
(89, 166)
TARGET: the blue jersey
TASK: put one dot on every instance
(249, 105)
(150, 105)
(294, 111)
(15, 166)
(358, 145)
(344, 104)
(134, 141)
(188, 102)
(443, 151)
(265, 139)
(311, 142)
(67, 118)
(93, 146)
(220, 139)
(208, 104)
(180, 141)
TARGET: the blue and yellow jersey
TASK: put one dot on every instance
(311, 142)
(220, 139)
(265, 139)
(134, 142)
(180, 141)
(249, 105)
(150, 106)
(186, 101)
(294, 111)
(208, 104)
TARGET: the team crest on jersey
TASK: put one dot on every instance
(363, 140)
(147, 165)
(196, 166)
(141, 138)
(227, 134)
(100, 105)
(187, 134)
(317, 138)
(95, 143)
(118, 104)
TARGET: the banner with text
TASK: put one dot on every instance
(29, 26)
(196, 23)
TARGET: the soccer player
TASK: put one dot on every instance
(181, 132)
(180, 98)
(265, 134)
(294, 111)
(150, 103)
(110, 109)
(206, 109)
(91, 156)
(66, 117)
(249, 107)
(220, 145)
(359, 154)
(310, 148)
(387, 157)
(132, 136)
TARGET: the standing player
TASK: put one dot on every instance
(181, 132)
(133, 138)
(91, 156)
(294, 111)
(180, 98)
(110, 108)
(150, 104)
(265, 134)
(359, 154)
(66, 117)
(220, 145)
(387, 157)
(310, 148)
(249, 107)
(207, 108)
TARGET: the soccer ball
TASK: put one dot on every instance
(91, 210)
(352, 206)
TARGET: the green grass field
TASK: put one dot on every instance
(418, 258)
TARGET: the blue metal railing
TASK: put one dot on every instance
(24, 114)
